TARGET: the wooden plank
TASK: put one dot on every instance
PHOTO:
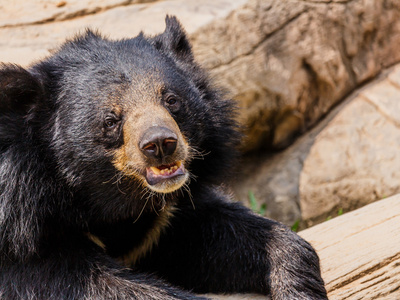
(360, 252)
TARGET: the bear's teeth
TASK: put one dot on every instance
(166, 171)
(155, 170)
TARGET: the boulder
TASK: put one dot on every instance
(347, 160)
(355, 160)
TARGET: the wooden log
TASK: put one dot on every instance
(359, 253)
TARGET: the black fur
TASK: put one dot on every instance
(57, 185)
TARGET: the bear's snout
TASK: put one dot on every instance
(154, 150)
(158, 143)
(162, 147)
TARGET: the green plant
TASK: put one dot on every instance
(339, 213)
(295, 226)
(259, 209)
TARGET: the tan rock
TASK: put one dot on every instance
(17, 13)
(355, 159)
(26, 43)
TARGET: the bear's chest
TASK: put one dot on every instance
(131, 239)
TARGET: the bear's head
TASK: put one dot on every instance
(120, 119)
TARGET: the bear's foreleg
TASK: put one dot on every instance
(84, 273)
(223, 247)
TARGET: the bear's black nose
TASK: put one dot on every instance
(158, 142)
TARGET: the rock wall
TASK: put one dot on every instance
(288, 64)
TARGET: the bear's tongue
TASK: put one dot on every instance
(157, 174)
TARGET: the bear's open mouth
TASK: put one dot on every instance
(155, 175)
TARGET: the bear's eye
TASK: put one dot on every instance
(172, 103)
(110, 122)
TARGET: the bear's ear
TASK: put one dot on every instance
(19, 91)
(174, 40)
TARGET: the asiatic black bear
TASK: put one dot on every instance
(111, 158)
